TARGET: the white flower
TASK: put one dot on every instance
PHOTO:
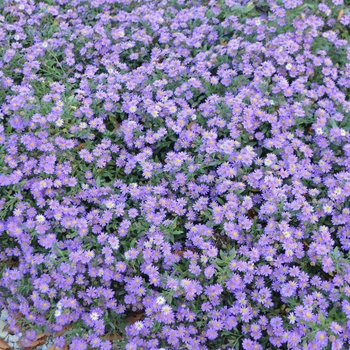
(82, 125)
(43, 184)
(18, 212)
(45, 44)
(166, 309)
(342, 132)
(138, 325)
(40, 218)
(109, 204)
(337, 191)
(286, 234)
(57, 313)
(114, 242)
(148, 244)
(160, 300)
(59, 305)
(327, 208)
(193, 117)
(94, 316)
(267, 162)
(319, 131)
(288, 66)
(85, 186)
(257, 22)
(291, 318)
(59, 122)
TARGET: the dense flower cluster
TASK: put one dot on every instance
(184, 163)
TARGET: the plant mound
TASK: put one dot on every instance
(176, 174)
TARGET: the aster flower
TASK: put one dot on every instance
(139, 325)
(94, 316)
(40, 218)
(188, 128)
(166, 309)
(160, 300)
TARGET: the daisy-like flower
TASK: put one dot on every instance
(94, 316)
(90, 254)
(138, 325)
(57, 313)
(120, 33)
(327, 208)
(59, 122)
(114, 242)
(337, 191)
(291, 318)
(267, 162)
(286, 234)
(160, 300)
(109, 204)
(43, 184)
(58, 216)
(40, 218)
(17, 212)
(166, 309)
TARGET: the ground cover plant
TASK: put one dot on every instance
(176, 174)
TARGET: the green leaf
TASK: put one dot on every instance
(220, 201)
(333, 123)
(132, 244)
(222, 255)
(322, 319)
